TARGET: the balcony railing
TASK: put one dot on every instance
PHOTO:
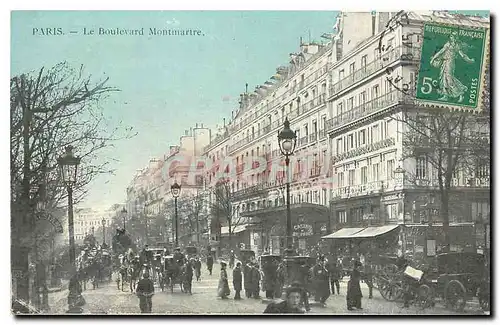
(315, 171)
(399, 53)
(366, 109)
(364, 149)
(302, 109)
(313, 137)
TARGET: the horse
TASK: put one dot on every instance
(134, 272)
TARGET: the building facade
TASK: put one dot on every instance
(376, 181)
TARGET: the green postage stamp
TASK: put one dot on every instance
(452, 66)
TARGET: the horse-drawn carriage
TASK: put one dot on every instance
(174, 273)
(296, 269)
(453, 279)
(191, 252)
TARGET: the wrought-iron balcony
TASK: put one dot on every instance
(368, 108)
(403, 53)
(364, 149)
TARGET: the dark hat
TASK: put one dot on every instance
(357, 264)
(177, 248)
(292, 288)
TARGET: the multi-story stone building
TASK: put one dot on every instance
(351, 92)
(376, 182)
(149, 197)
(90, 221)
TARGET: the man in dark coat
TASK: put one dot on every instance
(334, 271)
(304, 281)
(237, 279)
(247, 279)
(290, 305)
(368, 278)
(354, 289)
(188, 276)
(197, 268)
(320, 281)
(145, 289)
(256, 281)
(210, 263)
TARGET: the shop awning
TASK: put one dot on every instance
(234, 230)
(371, 232)
(343, 233)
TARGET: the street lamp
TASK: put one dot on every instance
(68, 165)
(176, 191)
(123, 212)
(103, 231)
(287, 140)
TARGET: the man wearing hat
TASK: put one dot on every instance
(145, 290)
(290, 305)
(320, 279)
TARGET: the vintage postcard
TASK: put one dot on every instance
(250, 162)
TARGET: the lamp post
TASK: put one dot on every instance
(481, 221)
(123, 212)
(287, 140)
(176, 190)
(103, 231)
(401, 180)
(68, 164)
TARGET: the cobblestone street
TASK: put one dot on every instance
(204, 300)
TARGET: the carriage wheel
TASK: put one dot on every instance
(484, 303)
(455, 295)
(425, 296)
(389, 283)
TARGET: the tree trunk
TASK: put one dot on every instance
(230, 234)
(445, 198)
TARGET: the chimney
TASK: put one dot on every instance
(190, 131)
(224, 120)
(186, 132)
(196, 125)
(232, 115)
(201, 125)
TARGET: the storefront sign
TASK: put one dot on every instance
(303, 230)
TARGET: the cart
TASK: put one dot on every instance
(459, 278)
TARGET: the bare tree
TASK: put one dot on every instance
(192, 210)
(50, 109)
(447, 141)
(223, 210)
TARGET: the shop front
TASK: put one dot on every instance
(309, 223)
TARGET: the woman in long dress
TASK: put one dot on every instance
(354, 294)
(223, 288)
(449, 85)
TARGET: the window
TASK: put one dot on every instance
(357, 214)
(375, 134)
(363, 61)
(362, 137)
(390, 169)
(325, 200)
(391, 211)
(341, 179)
(375, 172)
(352, 177)
(352, 67)
(375, 92)
(341, 217)
(325, 157)
(482, 169)
(388, 127)
(341, 74)
(339, 145)
(351, 141)
(421, 167)
(323, 122)
(340, 108)
(350, 103)
(362, 98)
(364, 175)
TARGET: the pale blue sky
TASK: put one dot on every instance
(167, 83)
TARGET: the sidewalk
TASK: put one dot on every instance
(63, 286)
